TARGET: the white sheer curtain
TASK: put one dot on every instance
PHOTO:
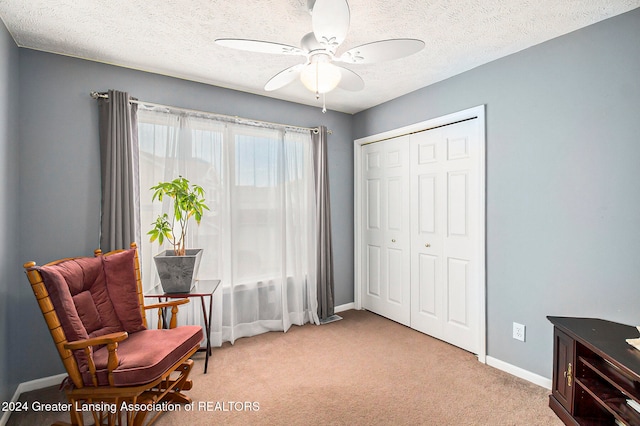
(258, 237)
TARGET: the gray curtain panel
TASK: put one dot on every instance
(323, 213)
(120, 222)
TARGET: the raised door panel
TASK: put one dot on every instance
(396, 274)
(395, 209)
(372, 201)
(458, 292)
(458, 204)
(563, 369)
(458, 147)
(372, 161)
(428, 272)
(372, 264)
(426, 203)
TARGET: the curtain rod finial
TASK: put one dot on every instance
(98, 95)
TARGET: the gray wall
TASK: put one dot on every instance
(563, 204)
(60, 180)
(9, 262)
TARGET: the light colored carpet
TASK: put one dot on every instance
(363, 370)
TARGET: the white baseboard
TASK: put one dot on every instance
(5, 417)
(345, 307)
(519, 372)
(42, 383)
(29, 386)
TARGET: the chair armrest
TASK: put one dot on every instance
(96, 341)
(173, 304)
(111, 340)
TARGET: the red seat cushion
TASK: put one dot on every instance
(144, 356)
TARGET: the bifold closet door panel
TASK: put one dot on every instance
(428, 189)
(385, 234)
(444, 233)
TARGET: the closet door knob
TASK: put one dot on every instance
(427, 245)
(393, 241)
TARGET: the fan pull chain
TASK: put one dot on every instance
(324, 105)
(317, 82)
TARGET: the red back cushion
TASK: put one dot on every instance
(122, 285)
(87, 311)
(78, 292)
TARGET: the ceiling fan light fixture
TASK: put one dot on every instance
(330, 21)
(320, 75)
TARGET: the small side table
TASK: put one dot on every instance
(201, 289)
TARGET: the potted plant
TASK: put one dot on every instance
(177, 268)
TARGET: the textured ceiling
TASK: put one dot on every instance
(176, 38)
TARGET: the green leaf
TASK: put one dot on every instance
(188, 201)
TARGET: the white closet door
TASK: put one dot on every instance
(444, 233)
(385, 221)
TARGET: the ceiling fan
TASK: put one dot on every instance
(330, 23)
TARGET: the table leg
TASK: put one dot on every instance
(207, 326)
(164, 313)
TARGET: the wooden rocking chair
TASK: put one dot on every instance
(117, 368)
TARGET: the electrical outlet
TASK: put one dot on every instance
(518, 331)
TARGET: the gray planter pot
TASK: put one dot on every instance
(178, 273)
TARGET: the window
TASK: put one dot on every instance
(259, 186)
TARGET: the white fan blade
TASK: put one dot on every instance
(259, 46)
(380, 51)
(350, 80)
(283, 78)
(330, 21)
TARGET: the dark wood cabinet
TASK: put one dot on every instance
(596, 373)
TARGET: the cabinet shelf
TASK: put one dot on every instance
(612, 400)
(613, 376)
